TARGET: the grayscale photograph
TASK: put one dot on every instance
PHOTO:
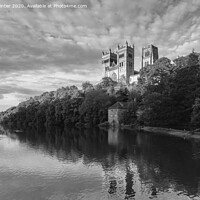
(99, 99)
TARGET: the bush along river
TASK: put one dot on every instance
(97, 164)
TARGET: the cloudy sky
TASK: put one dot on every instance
(44, 49)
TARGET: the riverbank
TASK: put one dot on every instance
(173, 132)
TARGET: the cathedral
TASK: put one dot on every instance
(119, 65)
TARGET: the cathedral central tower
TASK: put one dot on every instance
(149, 55)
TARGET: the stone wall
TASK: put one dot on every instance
(115, 116)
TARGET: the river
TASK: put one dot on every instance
(97, 164)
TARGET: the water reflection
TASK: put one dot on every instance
(113, 164)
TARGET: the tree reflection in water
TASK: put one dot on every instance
(134, 164)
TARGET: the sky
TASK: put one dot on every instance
(43, 49)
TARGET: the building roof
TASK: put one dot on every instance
(119, 105)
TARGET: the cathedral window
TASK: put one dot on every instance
(121, 55)
(147, 53)
(130, 55)
(106, 61)
(146, 63)
(112, 60)
(121, 64)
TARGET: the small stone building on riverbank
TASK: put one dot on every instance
(116, 113)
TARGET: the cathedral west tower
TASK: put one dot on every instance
(119, 66)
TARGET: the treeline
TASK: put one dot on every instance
(87, 107)
(167, 95)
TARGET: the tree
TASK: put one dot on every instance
(195, 116)
(130, 116)
(40, 114)
(58, 113)
(87, 86)
(187, 61)
(94, 107)
(168, 92)
(50, 115)
(107, 82)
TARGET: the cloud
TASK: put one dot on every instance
(43, 49)
(21, 90)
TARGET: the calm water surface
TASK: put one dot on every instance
(97, 164)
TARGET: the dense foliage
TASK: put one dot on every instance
(170, 93)
(69, 106)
